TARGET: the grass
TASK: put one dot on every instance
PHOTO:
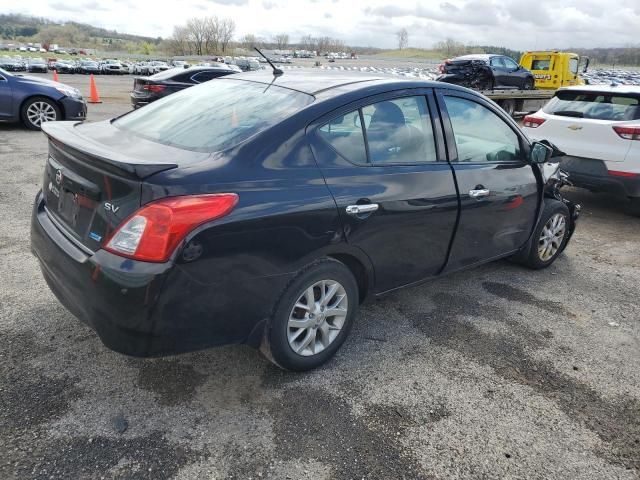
(411, 53)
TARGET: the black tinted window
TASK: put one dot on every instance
(205, 76)
(480, 134)
(344, 134)
(497, 62)
(400, 131)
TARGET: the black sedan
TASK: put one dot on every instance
(149, 89)
(265, 209)
(88, 67)
(34, 100)
(10, 64)
(37, 65)
(486, 72)
(65, 66)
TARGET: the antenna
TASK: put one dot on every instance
(276, 71)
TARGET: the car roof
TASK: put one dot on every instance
(618, 88)
(314, 81)
(477, 56)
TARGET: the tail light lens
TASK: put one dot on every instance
(629, 132)
(153, 232)
(532, 122)
(154, 88)
(618, 173)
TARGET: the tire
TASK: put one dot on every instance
(29, 112)
(634, 206)
(538, 256)
(318, 337)
(529, 84)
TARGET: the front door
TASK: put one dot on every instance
(385, 164)
(6, 101)
(499, 191)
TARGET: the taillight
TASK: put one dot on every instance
(154, 88)
(532, 122)
(618, 173)
(153, 232)
(631, 132)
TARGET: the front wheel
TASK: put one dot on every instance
(38, 110)
(529, 84)
(550, 236)
(313, 317)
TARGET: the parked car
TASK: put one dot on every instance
(34, 100)
(65, 66)
(111, 67)
(180, 63)
(11, 64)
(141, 68)
(247, 65)
(486, 72)
(248, 210)
(150, 89)
(37, 65)
(89, 66)
(598, 129)
(157, 66)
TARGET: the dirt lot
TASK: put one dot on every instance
(498, 372)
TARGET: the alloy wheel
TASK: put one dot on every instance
(551, 237)
(39, 112)
(317, 317)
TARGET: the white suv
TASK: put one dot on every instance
(598, 128)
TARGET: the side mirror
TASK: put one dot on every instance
(540, 153)
(586, 65)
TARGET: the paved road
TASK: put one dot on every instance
(498, 372)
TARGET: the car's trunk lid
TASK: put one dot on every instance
(93, 176)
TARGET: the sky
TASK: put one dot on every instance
(517, 24)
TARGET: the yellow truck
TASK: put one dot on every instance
(553, 69)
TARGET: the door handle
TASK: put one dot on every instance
(360, 209)
(482, 192)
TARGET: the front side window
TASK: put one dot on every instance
(510, 64)
(573, 65)
(480, 134)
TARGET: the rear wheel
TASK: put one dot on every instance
(312, 318)
(38, 110)
(550, 236)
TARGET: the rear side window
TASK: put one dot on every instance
(398, 131)
(541, 65)
(594, 105)
(480, 134)
(214, 116)
(205, 76)
(344, 134)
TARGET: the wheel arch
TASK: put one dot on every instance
(40, 95)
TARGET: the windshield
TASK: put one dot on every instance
(214, 116)
(4, 73)
(594, 105)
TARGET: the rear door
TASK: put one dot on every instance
(384, 161)
(499, 191)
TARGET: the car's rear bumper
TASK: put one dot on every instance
(149, 309)
(594, 175)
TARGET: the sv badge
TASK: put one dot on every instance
(110, 207)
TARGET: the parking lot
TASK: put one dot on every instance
(497, 372)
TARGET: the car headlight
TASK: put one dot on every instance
(69, 91)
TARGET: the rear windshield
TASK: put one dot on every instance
(594, 105)
(541, 64)
(214, 116)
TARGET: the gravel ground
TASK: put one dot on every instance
(498, 372)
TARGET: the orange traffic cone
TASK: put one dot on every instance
(55, 76)
(93, 91)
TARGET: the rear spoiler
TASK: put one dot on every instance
(64, 136)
